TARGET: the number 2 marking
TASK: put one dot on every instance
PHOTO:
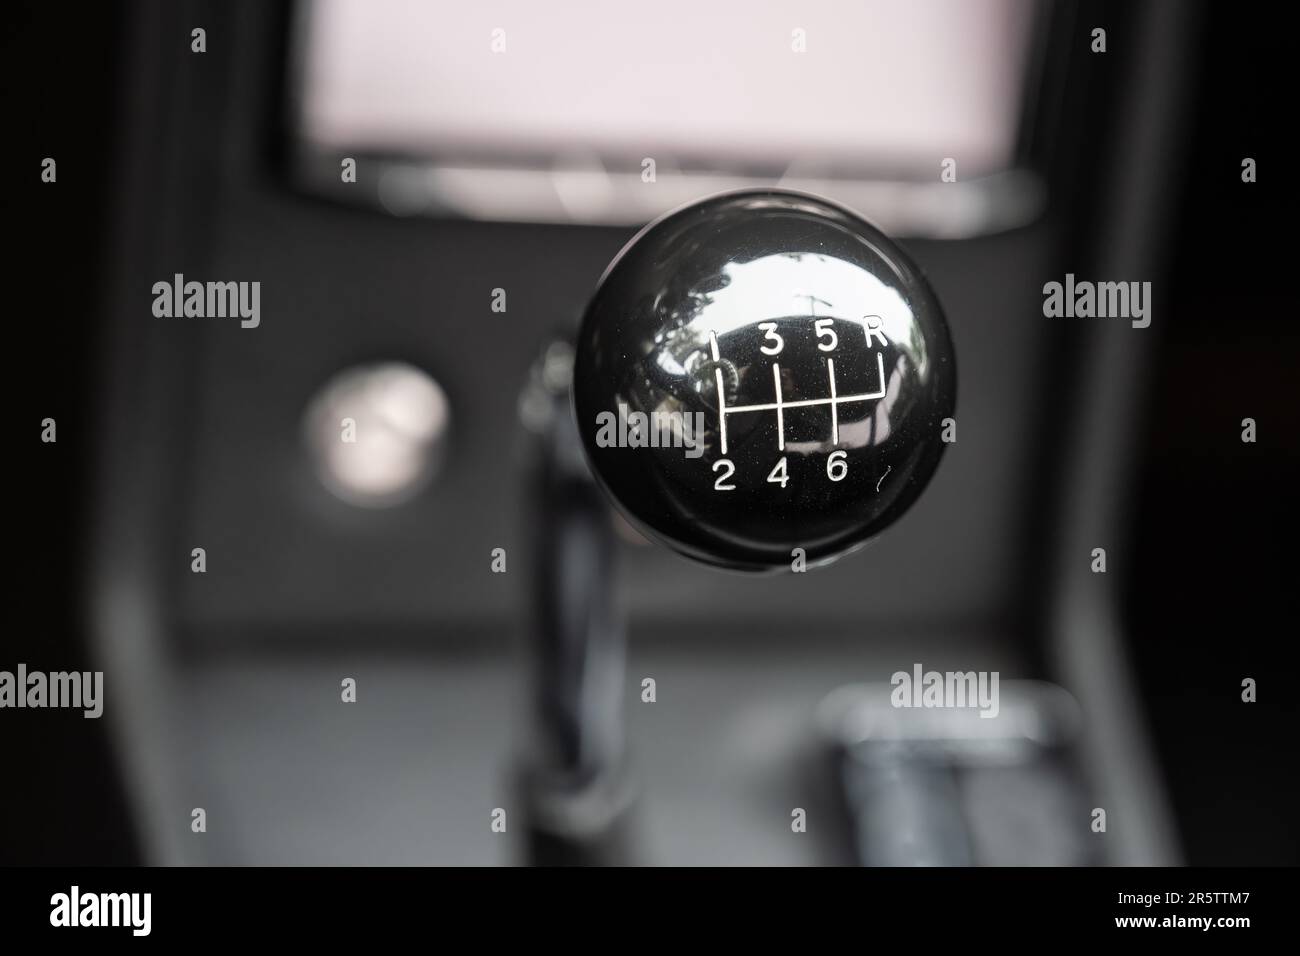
(728, 469)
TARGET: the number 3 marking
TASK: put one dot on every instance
(770, 329)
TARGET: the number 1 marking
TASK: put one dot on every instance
(835, 405)
(722, 398)
(780, 412)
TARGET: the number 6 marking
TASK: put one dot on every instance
(730, 470)
(836, 466)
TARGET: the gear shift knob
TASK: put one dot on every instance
(759, 372)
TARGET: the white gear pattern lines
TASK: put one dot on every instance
(834, 400)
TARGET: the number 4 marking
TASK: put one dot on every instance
(779, 476)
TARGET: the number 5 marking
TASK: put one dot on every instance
(823, 327)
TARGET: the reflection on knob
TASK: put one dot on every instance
(763, 372)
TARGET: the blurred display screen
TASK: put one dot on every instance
(874, 89)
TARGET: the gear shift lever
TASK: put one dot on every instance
(758, 372)
(792, 359)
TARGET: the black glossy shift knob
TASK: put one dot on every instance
(760, 372)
